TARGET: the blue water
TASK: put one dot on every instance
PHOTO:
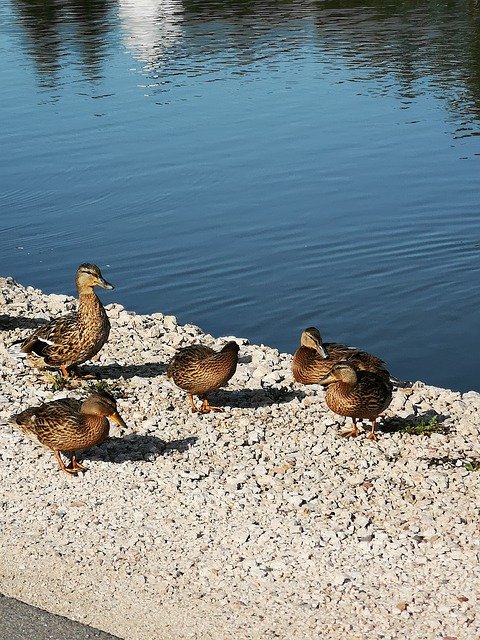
(253, 168)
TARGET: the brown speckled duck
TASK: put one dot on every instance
(70, 340)
(357, 394)
(200, 370)
(68, 425)
(314, 358)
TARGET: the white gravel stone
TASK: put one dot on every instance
(258, 522)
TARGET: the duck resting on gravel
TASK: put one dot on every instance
(70, 340)
(357, 394)
(315, 358)
(199, 370)
(69, 425)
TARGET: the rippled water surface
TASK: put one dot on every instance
(253, 167)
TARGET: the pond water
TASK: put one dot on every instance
(253, 167)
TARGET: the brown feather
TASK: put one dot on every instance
(200, 370)
(309, 365)
(356, 393)
(69, 424)
(73, 339)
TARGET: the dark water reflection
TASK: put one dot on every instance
(55, 31)
(406, 43)
(254, 167)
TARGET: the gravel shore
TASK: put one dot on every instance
(257, 523)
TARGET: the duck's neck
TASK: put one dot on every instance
(98, 426)
(345, 387)
(89, 303)
(227, 359)
(311, 352)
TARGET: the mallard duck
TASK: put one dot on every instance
(356, 393)
(70, 340)
(68, 425)
(200, 370)
(314, 358)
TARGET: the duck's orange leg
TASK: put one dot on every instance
(353, 432)
(195, 409)
(372, 435)
(62, 466)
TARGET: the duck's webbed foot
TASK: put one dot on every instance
(372, 435)
(351, 433)
(206, 407)
(66, 469)
(75, 466)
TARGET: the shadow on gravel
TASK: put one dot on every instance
(114, 371)
(251, 398)
(14, 322)
(180, 445)
(446, 462)
(136, 448)
(418, 425)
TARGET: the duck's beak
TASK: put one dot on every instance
(116, 417)
(104, 284)
(328, 379)
(322, 351)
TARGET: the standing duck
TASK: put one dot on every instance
(200, 370)
(356, 393)
(70, 340)
(314, 358)
(68, 425)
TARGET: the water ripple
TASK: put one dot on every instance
(253, 167)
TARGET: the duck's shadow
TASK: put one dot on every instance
(136, 448)
(448, 462)
(418, 425)
(251, 398)
(17, 322)
(424, 425)
(116, 371)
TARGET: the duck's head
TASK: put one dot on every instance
(102, 404)
(341, 372)
(312, 339)
(89, 275)
(231, 346)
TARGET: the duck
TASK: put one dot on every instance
(70, 340)
(356, 393)
(199, 370)
(68, 425)
(314, 358)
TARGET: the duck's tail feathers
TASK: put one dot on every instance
(36, 345)
(15, 349)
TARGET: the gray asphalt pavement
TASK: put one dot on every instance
(20, 621)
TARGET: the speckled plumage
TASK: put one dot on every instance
(314, 358)
(68, 424)
(71, 340)
(199, 370)
(357, 394)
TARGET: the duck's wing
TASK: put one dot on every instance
(42, 420)
(356, 356)
(54, 334)
(189, 357)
